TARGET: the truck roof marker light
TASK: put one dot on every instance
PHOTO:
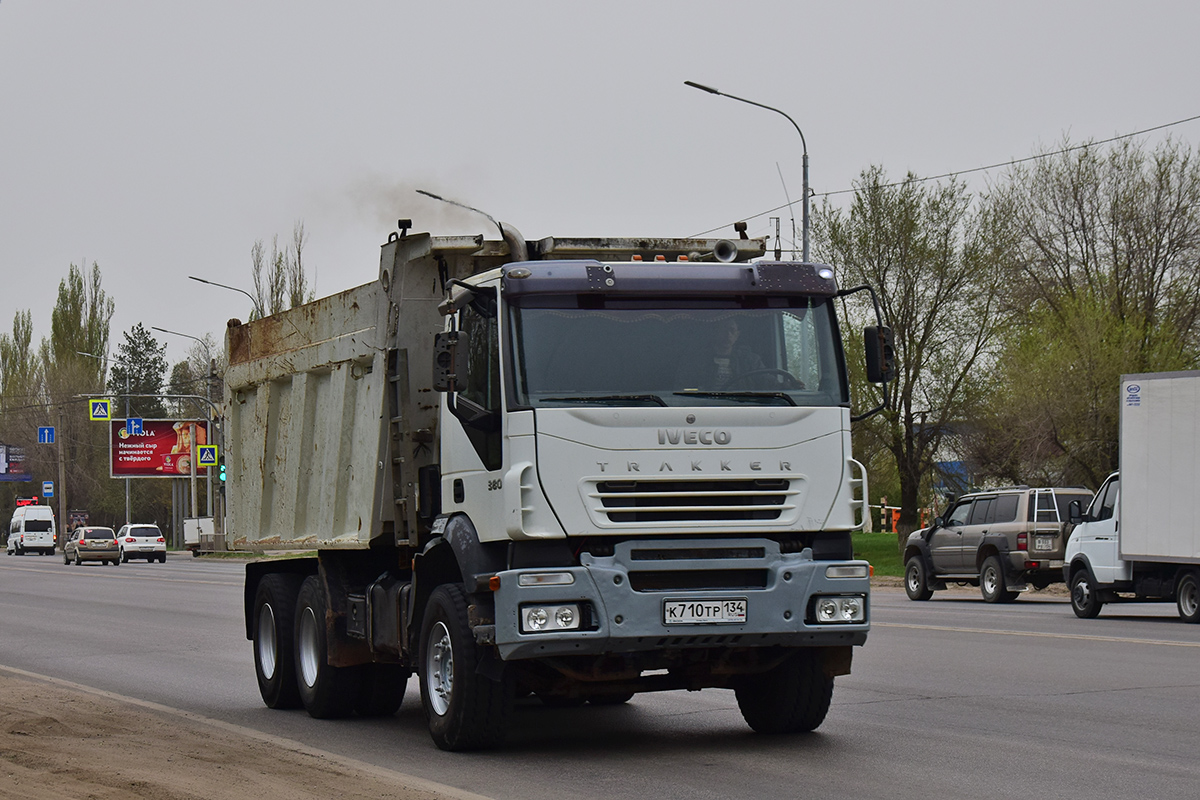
(494, 583)
(635, 258)
(682, 258)
(825, 273)
(519, 272)
(660, 258)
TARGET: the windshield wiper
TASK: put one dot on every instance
(609, 398)
(741, 395)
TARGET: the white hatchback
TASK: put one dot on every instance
(142, 541)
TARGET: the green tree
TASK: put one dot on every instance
(141, 364)
(1104, 249)
(280, 283)
(930, 258)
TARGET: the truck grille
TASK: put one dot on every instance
(694, 501)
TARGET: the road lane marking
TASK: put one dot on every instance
(410, 781)
(1035, 634)
(104, 572)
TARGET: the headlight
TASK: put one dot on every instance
(842, 609)
(539, 619)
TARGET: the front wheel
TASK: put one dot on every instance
(791, 698)
(1084, 600)
(66, 558)
(1187, 598)
(327, 691)
(273, 619)
(466, 710)
(916, 582)
(991, 582)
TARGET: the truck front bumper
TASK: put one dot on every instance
(631, 601)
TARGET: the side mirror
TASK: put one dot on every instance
(449, 361)
(1075, 513)
(881, 353)
(938, 522)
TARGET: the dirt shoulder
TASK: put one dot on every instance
(60, 741)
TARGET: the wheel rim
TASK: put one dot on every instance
(267, 655)
(308, 648)
(1189, 598)
(1082, 594)
(439, 668)
(989, 581)
(914, 583)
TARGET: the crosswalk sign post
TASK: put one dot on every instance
(99, 410)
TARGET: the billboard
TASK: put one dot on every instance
(12, 463)
(162, 449)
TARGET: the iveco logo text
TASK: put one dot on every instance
(692, 436)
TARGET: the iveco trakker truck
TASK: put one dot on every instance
(1140, 539)
(567, 469)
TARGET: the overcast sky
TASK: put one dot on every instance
(162, 139)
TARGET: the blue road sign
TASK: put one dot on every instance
(99, 410)
(48, 487)
(46, 435)
(206, 455)
(133, 426)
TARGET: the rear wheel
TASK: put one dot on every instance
(274, 654)
(162, 558)
(381, 689)
(124, 556)
(791, 698)
(78, 560)
(991, 582)
(916, 582)
(326, 691)
(466, 710)
(1187, 598)
(1084, 600)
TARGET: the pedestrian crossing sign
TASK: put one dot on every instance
(100, 410)
(206, 455)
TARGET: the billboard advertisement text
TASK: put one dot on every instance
(161, 450)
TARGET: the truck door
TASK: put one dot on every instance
(1102, 531)
(472, 457)
(945, 542)
(978, 525)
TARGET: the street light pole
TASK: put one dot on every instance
(257, 307)
(105, 359)
(803, 144)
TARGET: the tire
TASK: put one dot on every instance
(1084, 599)
(273, 620)
(465, 710)
(327, 692)
(791, 698)
(381, 689)
(78, 560)
(610, 699)
(1187, 597)
(65, 559)
(991, 582)
(916, 582)
(162, 558)
(124, 557)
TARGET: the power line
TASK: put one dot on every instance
(1012, 163)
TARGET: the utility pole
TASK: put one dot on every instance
(62, 479)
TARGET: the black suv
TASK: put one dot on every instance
(1000, 540)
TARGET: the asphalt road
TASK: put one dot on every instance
(948, 699)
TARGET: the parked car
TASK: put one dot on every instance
(142, 541)
(1002, 541)
(32, 530)
(92, 544)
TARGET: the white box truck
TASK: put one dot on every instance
(568, 469)
(1140, 538)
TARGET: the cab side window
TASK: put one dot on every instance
(1108, 500)
(959, 515)
(981, 510)
(482, 391)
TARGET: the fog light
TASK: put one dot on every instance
(840, 609)
(542, 619)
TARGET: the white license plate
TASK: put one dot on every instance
(704, 612)
(1043, 543)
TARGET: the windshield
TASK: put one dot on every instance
(702, 354)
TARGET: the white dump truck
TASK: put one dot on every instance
(566, 469)
(1139, 540)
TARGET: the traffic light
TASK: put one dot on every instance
(221, 468)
